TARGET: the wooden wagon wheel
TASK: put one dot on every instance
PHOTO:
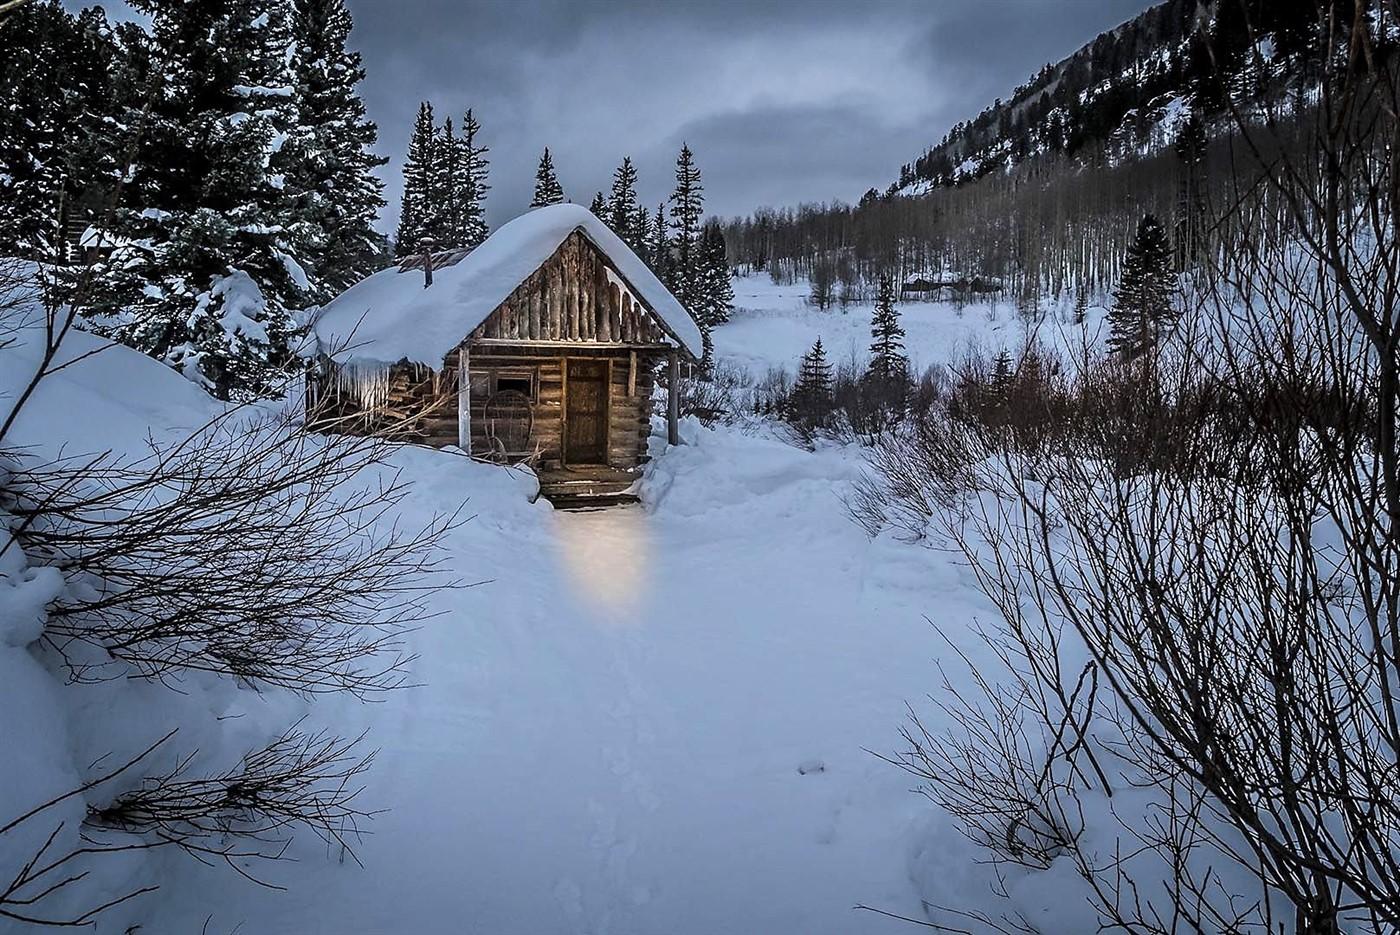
(510, 421)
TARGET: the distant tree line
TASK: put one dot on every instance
(1049, 227)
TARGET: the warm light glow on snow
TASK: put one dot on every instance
(604, 554)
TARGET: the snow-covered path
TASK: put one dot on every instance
(647, 720)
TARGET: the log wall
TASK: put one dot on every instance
(422, 404)
(572, 298)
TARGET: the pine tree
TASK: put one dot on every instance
(660, 249)
(62, 87)
(716, 297)
(1081, 305)
(999, 391)
(444, 221)
(811, 396)
(889, 367)
(327, 160)
(599, 206)
(548, 191)
(471, 199)
(209, 272)
(687, 207)
(1142, 311)
(418, 173)
(641, 228)
(622, 205)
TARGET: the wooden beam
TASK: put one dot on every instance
(572, 345)
(464, 400)
(673, 398)
(607, 408)
(564, 411)
(631, 374)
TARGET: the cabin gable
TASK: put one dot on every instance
(575, 297)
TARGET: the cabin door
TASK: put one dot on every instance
(586, 435)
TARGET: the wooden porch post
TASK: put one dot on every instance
(673, 398)
(464, 400)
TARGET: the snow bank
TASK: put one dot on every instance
(57, 735)
(390, 316)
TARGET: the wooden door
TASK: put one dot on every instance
(586, 438)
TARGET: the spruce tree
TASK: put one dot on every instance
(687, 207)
(660, 249)
(999, 392)
(716, 297)
(471, 199)
(445, 222)
(622, 205)
(209, 272)
(62, 88)
(811, 396)
(889, 367)
(641, 239)
(1142, 310)
(1081, 305)
(418, 173)
(328, 159)
(548, 191)
(599, 206)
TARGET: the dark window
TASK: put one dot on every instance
(518, 383)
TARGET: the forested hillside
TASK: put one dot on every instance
(1123, 93)
(1039, 194)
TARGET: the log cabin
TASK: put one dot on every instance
(541, 345)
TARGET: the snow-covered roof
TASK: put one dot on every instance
(390, 316)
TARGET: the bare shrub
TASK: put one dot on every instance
(54, 869)
(249, 548)
(721, 395)
(1205, 619)
(300, 780)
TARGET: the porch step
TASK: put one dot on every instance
(587, 487)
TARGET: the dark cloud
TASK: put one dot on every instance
(782, 100)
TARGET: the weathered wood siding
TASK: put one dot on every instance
(629, 414)
(570, 298)
(422, 406)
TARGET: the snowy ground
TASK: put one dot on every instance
(647, 721)
(653, 719)
(773, 325)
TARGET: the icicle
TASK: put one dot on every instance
(366, 382)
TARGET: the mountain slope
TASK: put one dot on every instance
(1125, 91)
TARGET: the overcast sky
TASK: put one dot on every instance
(782, 101)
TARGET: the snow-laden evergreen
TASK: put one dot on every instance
(328, 156)
(61, 77)
(209, 268)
